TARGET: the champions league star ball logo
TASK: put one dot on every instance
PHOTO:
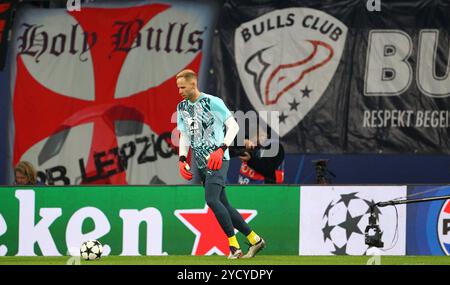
(343, 224)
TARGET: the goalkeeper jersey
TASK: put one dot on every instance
(203, 122)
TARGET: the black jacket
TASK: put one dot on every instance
(263, 163)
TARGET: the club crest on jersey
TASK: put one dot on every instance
(286, 59)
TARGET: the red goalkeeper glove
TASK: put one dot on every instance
(216, 157)
(184, 168)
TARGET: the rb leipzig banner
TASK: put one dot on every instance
(94, 91)
(344, 78)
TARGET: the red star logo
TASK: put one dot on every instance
(210, 237)
(51, 112)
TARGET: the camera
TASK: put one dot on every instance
(237, 150)
(373, 233)
(240, 150)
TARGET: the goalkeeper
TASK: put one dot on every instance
(201, 120)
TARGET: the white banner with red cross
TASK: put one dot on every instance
(94, 90)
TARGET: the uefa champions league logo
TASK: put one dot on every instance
(343, 224)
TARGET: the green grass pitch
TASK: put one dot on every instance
(221, 260)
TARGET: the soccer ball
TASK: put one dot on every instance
(91, 250)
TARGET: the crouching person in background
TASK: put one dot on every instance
(260, 164)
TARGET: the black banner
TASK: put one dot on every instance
(6, 7)
(345, 76)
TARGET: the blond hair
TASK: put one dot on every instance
(28, 170)
(187, 74)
